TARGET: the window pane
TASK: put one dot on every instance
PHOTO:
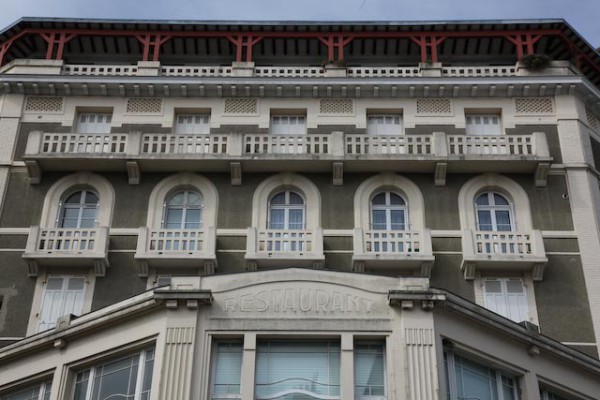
(484, 220)
(276, 219)
(173, 218)
(91, 198)
(75, 198)
(295, 198)
(396, 200)
(278, 199)
(177, 199)
(114, 380)
(81, 384)
(193, 216)
(503, 220)
(297, 370)
(500, 200)
(379, 199)
(194, 199)
(379, 219)
(296, 219)
(30, 393)
(227, 369)
(474, 380)
(398, 222)
(369, 370)
(483, 200)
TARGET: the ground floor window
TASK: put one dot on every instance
(227, 369)
(128, 377)
(297, 370)
(40, 391)
(369, 370)
(466, 379)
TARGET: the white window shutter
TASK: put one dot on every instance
(483, 124)
(187, 124)
(288, 125)
(506, 297)
(516, 297)
(94, 123)
(62, 295)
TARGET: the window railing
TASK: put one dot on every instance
(286, 144)
(285, 71)
(499, 249)
(502, 242)
(335, 145)
(388, 144)
(176, 241)
(491, 145)
(382, 241)
(67, 240)
(87, 143)
(169, 143)
(285, 241)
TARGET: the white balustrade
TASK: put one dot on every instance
(169, 143)
(165, 241)
(286, 144)
(502, 243)
(196, 71)
(357, 144)
(514, 145)
(67, 240)
(481, 71)
(288, 72)
(88, 143)
(285, 241)
(100, 70)
(382, 241)
(383, 72)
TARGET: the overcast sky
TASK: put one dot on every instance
(583, 15)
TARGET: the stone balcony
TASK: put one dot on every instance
(274, 248)
(176, 248)
(67, 248)
(395, 252)
(503, 251)
(436, 152)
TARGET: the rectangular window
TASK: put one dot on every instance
(384, 124)
(187, 124)
(40, 391)
(125, 378)
(548, 395)
(227, 370)
(483, 124)
(288, 124)
(466, 379)
(507, 297)
(302, 370)
(94, 122)
(369, 371)
(62, 295)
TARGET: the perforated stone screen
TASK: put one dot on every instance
(434, 106)
(534, 105)
(592, 119)
(336, 106)
(144, 105)
(50, 104)
(241, 106)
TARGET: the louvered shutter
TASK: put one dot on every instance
(483, 124)
(62, 295)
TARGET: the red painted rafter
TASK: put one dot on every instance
(246, 41)
(428, 41)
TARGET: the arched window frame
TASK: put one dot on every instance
(175, 183)
(508, 188)
(185, 207)
(64, 205)
(286, 207)
(70, 184)
(405, 188)
(286, 181)
(494, 209)
(389, 207)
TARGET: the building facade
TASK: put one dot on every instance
(299, 211)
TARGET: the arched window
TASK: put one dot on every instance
(286, 211)
(79, 210)
(388, 212)
(494, 212)
(183, 210)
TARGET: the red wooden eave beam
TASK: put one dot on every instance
(246, 41)
(154, 42)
